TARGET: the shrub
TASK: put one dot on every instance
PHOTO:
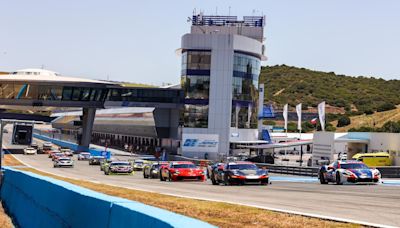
(343, 121)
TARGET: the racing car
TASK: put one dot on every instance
(349, 171)
(153, 170)
(181, 170)
(104, 163)
(118, 167)
(211, 167)
(84, 156)
(239, 172)
(30, 150)
(96, 160)
(63, 162)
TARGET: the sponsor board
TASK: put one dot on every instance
(200, 142)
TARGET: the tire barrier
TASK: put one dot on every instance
(38, 201)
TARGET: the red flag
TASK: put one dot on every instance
(314, 121)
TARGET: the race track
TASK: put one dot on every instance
(377, 204)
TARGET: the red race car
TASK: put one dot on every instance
(181, 170)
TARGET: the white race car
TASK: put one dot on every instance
(349, 171)
(30, 151)
(63, 162)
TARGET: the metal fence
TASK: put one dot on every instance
(389, 171)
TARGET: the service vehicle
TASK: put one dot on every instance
(30, 151)
(181, 170)
(119, 167)
(84, 156)
(153, 170)
(350, 171)
(374, 159)
(63, 162)
(239, 172)
(96, 160)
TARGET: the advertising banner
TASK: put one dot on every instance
(298, 110)
(200, 143)
(321, 114)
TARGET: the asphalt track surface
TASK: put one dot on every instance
(376, 204)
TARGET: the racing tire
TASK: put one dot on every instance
(265, 182)
(213, 181)
(169, 177)
(144, 175)
(106, 173)
(226, 181)
(161, 177)
(322, 178)
(338, 182)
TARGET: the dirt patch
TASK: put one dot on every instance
(10, 160)
(219, 214)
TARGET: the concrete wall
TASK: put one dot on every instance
(38, 201)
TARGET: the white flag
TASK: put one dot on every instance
(298, 110)
(321, 114)
(285, 113)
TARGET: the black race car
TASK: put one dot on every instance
(239, 173)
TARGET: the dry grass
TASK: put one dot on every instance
(10, 160)
(379, 118)
(220, 214)
(5, 221)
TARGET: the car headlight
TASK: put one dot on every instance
(177, 172)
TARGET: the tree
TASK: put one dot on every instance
(391, 126)
(343, 121)
(386, 107)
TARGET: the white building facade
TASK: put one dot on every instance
(221, 62)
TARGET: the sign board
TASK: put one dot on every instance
(323, 147)
(200, 143)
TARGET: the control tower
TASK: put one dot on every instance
(221, 62)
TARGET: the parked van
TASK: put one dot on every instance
(374, 159)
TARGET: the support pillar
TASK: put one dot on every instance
(87, 127)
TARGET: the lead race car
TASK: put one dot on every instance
(349, 171)
(119, 167)
(239, 172)
(181, 170)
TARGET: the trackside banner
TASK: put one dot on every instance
(200, 143)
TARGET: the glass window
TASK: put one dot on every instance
(196, 87)
(195, 116)
(196, 60)
(50, 93)
(67, 93)
(76, 94)
(7, 91)
(85, 94)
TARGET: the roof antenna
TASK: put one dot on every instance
(229, 11)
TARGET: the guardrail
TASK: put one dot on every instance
(37, 201)
(389, 171)
(290, 170)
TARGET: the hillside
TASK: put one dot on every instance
(375, 120)
(356, 95)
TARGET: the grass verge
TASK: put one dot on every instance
(219, 214)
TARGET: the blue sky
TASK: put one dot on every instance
(136, 40)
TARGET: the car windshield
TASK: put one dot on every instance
(119, 163)
(242, 166)
(138, 162)
(182, 166)
(353, 166)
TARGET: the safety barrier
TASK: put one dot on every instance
(389, 171)
(38, 201)
(291, 170)
(73, 146)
